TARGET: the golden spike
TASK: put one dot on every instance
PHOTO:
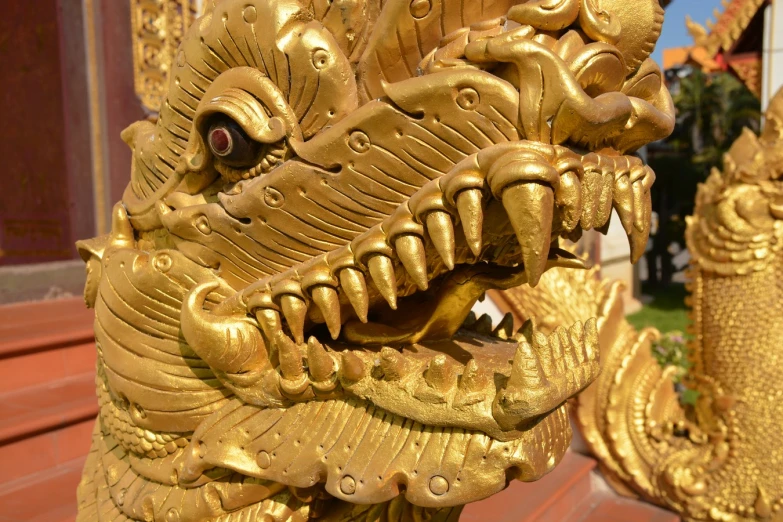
(471, 214)
(291, 366)
(437, 374)
(121, 230)
(352, 367)
(577, 336)
(529, 207)
(505, 328)
(441, 232)
(526, 372)
(410, 250)
(392, 364)
(762, 505)
(326, 299)
(483, 325)
(382, 273)
(569, 198)
(321, 365)
(355, 288)
(623, 202)
(591, 191)
(543, 349)
(591, 339)
(294, 311)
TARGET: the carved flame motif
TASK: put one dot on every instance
(719, 460)
(282, 307)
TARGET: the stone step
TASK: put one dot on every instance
(46, 496)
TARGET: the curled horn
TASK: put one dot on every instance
(232, 344)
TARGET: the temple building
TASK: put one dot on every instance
(745, 39)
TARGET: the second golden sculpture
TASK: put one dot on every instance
(329, 188)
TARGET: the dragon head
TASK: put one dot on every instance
(325, 196)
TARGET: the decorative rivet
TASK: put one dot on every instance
(263, 460)
(202, 224)
(249, 14)
(359, 141)
(420, 8)
(468, 99)
(273, 197)
(162, 262)
(348, 485)
(172, 515)
(137, 412)
(121, 496)
(320, 58)
(439, 485)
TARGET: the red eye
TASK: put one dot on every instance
(220, 141)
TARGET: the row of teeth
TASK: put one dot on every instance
(539, 186)
(544, 371)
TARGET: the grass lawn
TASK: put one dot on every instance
(666, 312)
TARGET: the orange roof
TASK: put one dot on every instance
(698, 56)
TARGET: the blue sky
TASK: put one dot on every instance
(675, 34)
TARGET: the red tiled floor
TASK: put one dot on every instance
(547, 500)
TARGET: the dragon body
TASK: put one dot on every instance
(329, 187)
(719, 460)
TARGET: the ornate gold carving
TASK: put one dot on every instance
(720, 460)
(283, 304)
(158, 27)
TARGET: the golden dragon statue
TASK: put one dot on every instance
(722, 458)
(281, 304)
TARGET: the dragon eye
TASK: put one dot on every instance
(231, 144)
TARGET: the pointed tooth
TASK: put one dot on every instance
(437, 374)
(482, 297)
(319, 362)
(641, 234)
(505, 328)
(355, 288)
(604, 206)
(290, 357)
(471, 215)
(470, 320)
(569, 199)
(623, 202)
(382, 273)
(295, 310)
(526, 330)
(637, 189)
(392, 364)
(483, 325)
(270, 322)
(410, 250)
(441, 232)
(351, 367)
(470, 380)
(529, 207)
(326, 299)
